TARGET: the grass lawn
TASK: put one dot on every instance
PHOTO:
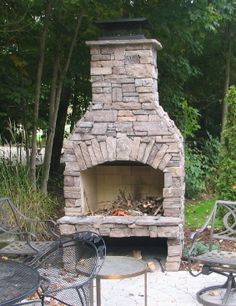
(197, 212)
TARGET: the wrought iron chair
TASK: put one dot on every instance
(220, 226)
(68, 269)
(22, 237)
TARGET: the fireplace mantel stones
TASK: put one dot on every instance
(125, 122)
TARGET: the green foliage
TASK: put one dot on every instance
(188, 119)
(226, 185)
(200, 248)
(194, 172)
(201, 162)
(196, 213)
(15, 183)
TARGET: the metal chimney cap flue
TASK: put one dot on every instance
(123, 28)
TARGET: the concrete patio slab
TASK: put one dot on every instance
(164, 289)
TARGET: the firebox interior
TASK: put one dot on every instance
(102, 184)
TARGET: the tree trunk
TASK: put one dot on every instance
(227, 76)
(55, 106)
(47, 155)
(59, 132)
(37, 95)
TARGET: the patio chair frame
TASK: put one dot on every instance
(217, 261)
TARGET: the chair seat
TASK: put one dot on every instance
(217, 258)
(22, 248)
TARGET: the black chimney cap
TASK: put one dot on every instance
(123, 28)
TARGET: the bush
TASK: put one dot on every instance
(226, 184)
(15, 183)
(194, 172)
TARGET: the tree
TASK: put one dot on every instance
(226, 184)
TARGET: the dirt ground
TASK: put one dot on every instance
(225, 245)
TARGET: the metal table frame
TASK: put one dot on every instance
(21, 280)
(115, 267)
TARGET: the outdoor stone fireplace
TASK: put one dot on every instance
(125, 142)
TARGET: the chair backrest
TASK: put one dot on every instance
(70, 266)
(10, 217)
(222, 220)
(16, 225)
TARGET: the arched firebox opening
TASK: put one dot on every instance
(129, 185)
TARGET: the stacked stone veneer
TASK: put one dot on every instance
(126, 123)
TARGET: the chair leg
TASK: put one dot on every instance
(228, 285)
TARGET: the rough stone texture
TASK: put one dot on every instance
(119, 227)
(126, 123)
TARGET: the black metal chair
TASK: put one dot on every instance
(220, 226)
(68, 269)
(22, 237)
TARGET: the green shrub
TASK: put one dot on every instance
(15, 183)
(226, 184)
(199, 248)
(194, 172)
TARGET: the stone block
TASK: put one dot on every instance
(147, 60)
(168, 231)
(104, 231)
(123, 148)
(141, 117)
(105, 116)
(130, 105)
(126, 119)
(147, 97)
(140, 232)
(128, 88)
(145, 89)
(148, 151)
(69, 157)
(70, 202)
(92, 156)
(131, 59)
(168, 180)
(97, 151)
(159, 156)
(132, 99)
(144, 82)
(164, 161)
(101, 57)
(172, 192)
(119, 233)
(174, 250)
(103, 147)
(119, 53)
(66, 229)
(141, 151)
(72, 194)
(152, 128)
(79, 156)
(99, 128)
(85, 154)
(140, 71)
(135, 148)
(107, 50)
(105, 98)
(73, 211)
(101, 84)
(68, 180)
(117, 94)
(101, 70)
(172, 266)
(118, 70)
(111, 148)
